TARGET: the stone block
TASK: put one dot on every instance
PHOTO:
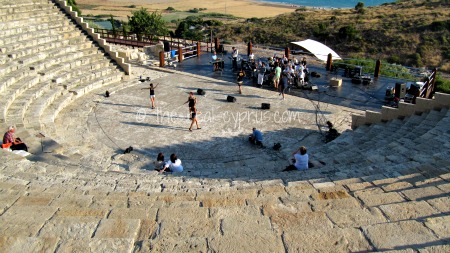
(189, 222)
(24, 220)
(423, 193)
(82, 212)
(436, 249)
(440, 226)
(356, 217)
(408, 210)
(381, 198)
(333, 204)
(74, 201)
(403, 234)
(70, 227)
(262, 241)
(95, 245)
(133, 213)
(320, 239)
(28, 244)
(442, 204)
(117, 228)
(171, 244)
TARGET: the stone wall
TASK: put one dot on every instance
(95, 36)
(440, 100)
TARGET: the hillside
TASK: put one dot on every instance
(413, 33)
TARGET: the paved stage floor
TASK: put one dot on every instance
(357, 96)
(126, 119)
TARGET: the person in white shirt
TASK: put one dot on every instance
(234, 55)
(173, 165)
(301, 160)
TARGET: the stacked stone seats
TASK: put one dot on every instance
(46, 61)
(384, 187)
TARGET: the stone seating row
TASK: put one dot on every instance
(62, 23)
(16, 85)
(379, 136)
(19, 14)
(33, 20)
(22, 3)
(24, 60)
(8, 10)
(41, 43)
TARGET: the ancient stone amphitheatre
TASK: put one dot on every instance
(380, 187)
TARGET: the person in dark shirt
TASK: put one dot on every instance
(240, 80)
(152, 94)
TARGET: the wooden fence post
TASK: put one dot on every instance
(180, 54)
(161, 59)
(249, 48)
(377, 69)
(329, 62)
(287, 52)
(199, 48)
(216, 44)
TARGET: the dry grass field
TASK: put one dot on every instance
(238, 8)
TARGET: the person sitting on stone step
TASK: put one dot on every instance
(12, 142)
(300, 160)
(256, 137)
(173, 165)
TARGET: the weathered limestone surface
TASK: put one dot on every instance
(365, 193)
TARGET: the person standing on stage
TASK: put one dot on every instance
(234, 55)
(240, 80)
(152, 94)
(194, 118)
(192, 100)
(261, 72)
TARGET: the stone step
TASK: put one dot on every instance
(43, 44)
(15, 90)
(5, 10)
(36, 108)
(22, 3)
(33, 13)
(62, 25)
(33, 20)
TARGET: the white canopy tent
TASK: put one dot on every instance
(316, 48)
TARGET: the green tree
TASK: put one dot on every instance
(360, 7)
(113, 25)
(144, 23)
(74, 7)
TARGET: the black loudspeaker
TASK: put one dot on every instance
(107, 94)
(200, 92)
(400, 90)
(265, 106)
(231, 99)
(166, 46)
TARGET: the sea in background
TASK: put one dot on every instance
(328, 3)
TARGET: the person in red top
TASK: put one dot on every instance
(16, 143)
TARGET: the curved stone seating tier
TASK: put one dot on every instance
(6, 10)
(45, 10)
(38, 44)
(75, 208)
(33, 20)
(395, 142)
(59, 25)
(23, 3)
(382, 187)
(31, 78)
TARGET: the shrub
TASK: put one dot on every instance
(170, 8)
(442, 85)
